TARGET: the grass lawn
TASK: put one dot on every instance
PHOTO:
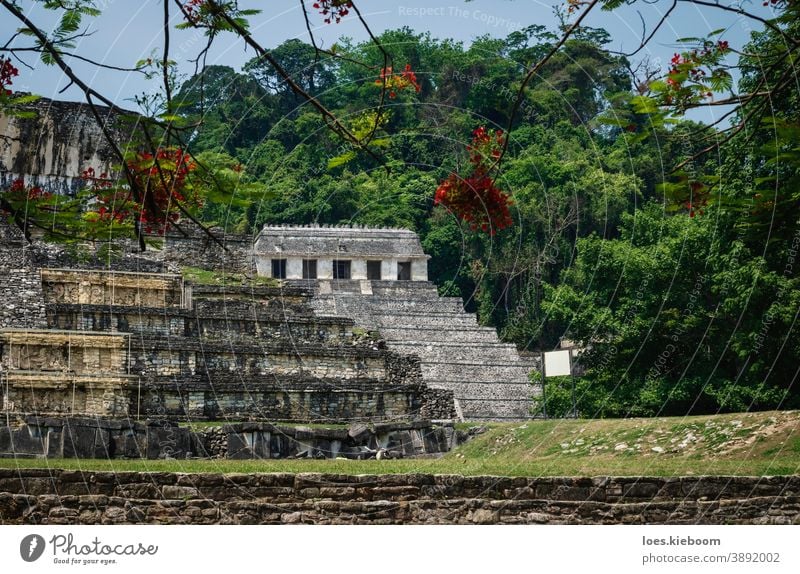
(206, 277)
(760, 444)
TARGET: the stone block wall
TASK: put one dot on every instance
(49, 496)
(77, 353)
(44, 371)
(20, 285)
(206, 351)
(295, 399)
(199, 250)
(98, 438)
(66, 394)
(87, 287)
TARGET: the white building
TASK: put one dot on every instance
(324, 253)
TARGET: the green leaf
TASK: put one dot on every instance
(70, 22)
(612, 4)
(721, 80)
(644, 105)
(26, 99)
(341, 159)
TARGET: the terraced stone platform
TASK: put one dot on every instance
(489, 379)
(172, 350)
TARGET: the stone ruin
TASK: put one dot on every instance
(125, 438)
(352, 332)
(379, 278)
(148, 345)
(52, 148)
(137, 352)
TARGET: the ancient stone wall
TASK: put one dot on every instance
(64, 372)
(199, 250)
(205, 352)
(88, 287)
(21, 299)
(62, 139)
(48, 496)
(89, 438)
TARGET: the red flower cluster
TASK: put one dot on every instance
(18, 197)
(689, 66)
(698, 199)
(476, 199)
(162, 180)
(192, 9)
(7, 71)
(112, 204)
(333, 10)
(19, 188)
(398, 82)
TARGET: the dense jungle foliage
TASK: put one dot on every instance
(683, 307)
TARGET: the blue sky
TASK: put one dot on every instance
(130, 30)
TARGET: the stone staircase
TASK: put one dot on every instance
(489, 378)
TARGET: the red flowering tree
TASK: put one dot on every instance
(165, 185)
(475, 197)
(397, 82)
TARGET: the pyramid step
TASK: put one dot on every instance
(478, 409)
(430, 320)
(457, 352)
(449, 371)
(384, 304)
(441, 334)
(489, 391)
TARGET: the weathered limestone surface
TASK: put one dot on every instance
(489, 379)
(64, 372)
(146, 345)
(47, 496)
(53, 148)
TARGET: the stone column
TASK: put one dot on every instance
(389, 270)
(294, 268)
(419, 269)
(358, 269)
(325, 268)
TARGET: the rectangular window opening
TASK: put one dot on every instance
(404, 271)
(341, 269)
(374, 270)
(279, 268)
(309, 268)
